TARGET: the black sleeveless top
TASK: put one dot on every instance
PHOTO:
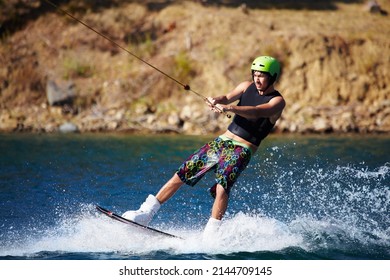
(256, 130)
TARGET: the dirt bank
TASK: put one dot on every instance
(335, 57)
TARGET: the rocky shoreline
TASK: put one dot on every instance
(192, 119)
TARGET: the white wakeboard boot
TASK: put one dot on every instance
(211, 229)
(145, 213)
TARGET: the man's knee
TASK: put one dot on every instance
(218, 188)
(221, 191)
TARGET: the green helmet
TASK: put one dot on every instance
(267, 64)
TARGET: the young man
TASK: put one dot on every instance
(259, 107)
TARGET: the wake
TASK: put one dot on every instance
(93, 233)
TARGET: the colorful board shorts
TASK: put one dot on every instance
(226, 157)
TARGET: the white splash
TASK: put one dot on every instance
(92, 232)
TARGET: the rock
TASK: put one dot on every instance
(58, 95)
(191, 128)
(174, 120)
(374, 8)
(141, 109)
(7, 123)
(244, 8)
(320, 124)
(112, 125)
(50, 127)
(186, 113)
(68, 128)
(150, 119)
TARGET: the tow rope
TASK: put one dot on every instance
(185, 86)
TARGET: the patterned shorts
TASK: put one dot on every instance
(225, 157)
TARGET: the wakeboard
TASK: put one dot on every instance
(119, 218)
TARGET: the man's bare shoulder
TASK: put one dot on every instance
(243, 86)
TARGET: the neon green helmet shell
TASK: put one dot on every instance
(267, 64)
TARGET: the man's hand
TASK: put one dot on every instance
(214, 106)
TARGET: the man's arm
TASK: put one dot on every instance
(230, 97)
(271, 109)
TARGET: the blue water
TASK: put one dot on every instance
(302, 197)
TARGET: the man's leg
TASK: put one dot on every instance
(169, 189)
(217, 212)
(220, 203)
(152, 203)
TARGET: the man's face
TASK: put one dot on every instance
(261, 80)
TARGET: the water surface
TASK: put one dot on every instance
(302, 197)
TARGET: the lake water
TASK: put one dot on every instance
(301, 197)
